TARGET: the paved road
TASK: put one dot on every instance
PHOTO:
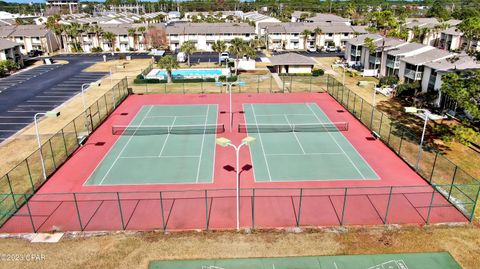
(41, 89)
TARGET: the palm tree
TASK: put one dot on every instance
(72, 31)
(372, 48)
(142, 31)
(188, 47)
(110, 37)
(168, 63)
(131, 32)
(219, 46)
(257, 43)
(306, 33)
(97, 30)
(237, 47)
(318, 33)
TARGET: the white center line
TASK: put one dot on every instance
(166, 138)
(124, 147)
(294, 133)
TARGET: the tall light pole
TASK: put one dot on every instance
(373, 107)
(426, 114)
(229, 87)
(48, 114)
(224, 142)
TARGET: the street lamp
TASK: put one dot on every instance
(426, 113)
(373, 107)
(229, 87)
(224, 142)
(48, 114)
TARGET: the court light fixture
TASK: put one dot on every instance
(225, 142)
(48, 114)
(426, 113)
(229, 88)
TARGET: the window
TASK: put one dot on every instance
(330, 34)
(345, 34)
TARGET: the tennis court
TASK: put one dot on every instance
(428, 260)
(163, 144)
(298, 142)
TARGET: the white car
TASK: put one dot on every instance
(224, 56)
(181, 57)
(331, 49)
(311, 49)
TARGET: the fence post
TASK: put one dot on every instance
(183, 87)
(381, 122)
(388, 205)
(453, 181)
(64, 143)
(91, 120)
(258, 83)
(401, 140)
(120, 208)
(291, 84)
(390, 132)
(163, 214)
(30, 175)
(78, 211)
(433, 167)
(11, 191)
(53, 155)
(430, 206)
(206, 210)
(299, 207)
(201, 85)
(271, 83)
(354, 104)
(344, 206)
(253, 209)
(75, 129)
(361, 111)
(29, 213)
(472, 214)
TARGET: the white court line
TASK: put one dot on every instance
(203, 142)
(335, 140)
(200, 116)
(306, 154)
(166, 138)
(279, 114)
(158, 157)
(124, 147)
(261, 144)
(294, 134)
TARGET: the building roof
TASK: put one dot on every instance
(210, 28)
(360, 40)
(459, 62)
(326, 17)
(298, 27)
(427, 56)
(257, 17)
(409, 47)
(452, 31)
(7, 44)
(291, 59)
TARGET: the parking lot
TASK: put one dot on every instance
(41, 89)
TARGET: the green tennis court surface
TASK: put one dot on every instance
(160, 146)
(302, 155)
(434, 260)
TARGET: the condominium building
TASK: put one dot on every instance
(203, 35)
(10, 50)
(31, 37)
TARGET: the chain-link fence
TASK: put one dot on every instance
(207, 209)
(267, 83)
(459, 187)
(27, 176)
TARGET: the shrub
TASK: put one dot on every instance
(295, 74)
(122, 56)
(149, 81)
(229, 79)
(318, 72)
(388, 81)
(96, 49)
(465, 135)
(408, 89)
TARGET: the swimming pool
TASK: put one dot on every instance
(189, 73)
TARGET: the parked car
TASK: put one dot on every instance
(331, 49)
(181, 57)
(311, 49)
(224, 56)
(34, 53)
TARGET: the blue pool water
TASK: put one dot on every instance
(192, 72)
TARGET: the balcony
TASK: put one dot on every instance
(412, 74)
(356, 53)
(328, 37)
(210, 38)
(35, 41)
(393, 64)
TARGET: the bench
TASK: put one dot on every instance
(376, 135)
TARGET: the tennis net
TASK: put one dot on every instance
(286, 128)
(167, 129)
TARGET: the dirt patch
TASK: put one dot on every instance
(127, 250)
